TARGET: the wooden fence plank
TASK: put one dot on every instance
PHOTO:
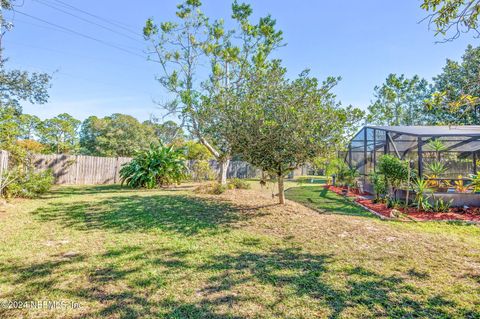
(91, 170)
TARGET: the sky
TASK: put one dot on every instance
(361, 41)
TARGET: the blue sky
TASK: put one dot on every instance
(361, 41)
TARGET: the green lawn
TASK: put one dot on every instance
(325, 202)
(120, 253)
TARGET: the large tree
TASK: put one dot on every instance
(115, 135)
(182, 48)
(60, 133)
(278, 125)
(400, 101)
(451, 18)
(457, 90)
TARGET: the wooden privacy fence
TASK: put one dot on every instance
(81, 169)
(91, 170)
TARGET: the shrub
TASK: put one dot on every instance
(238, 183)
(441, 206)
(394, 170)
(211, 188)
(155, 167)
(379, 185)
(28, 184)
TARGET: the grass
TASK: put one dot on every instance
(324, 201)
(120, 253)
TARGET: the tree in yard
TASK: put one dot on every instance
(451, 18)
(115, 135)
(60, 133)
(185, 49)
(400, 101)
(278, 125)
(457, 90)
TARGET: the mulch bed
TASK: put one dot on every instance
(471, 214)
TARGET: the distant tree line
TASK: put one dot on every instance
(114, 135)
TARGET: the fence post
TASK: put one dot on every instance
(115, 171)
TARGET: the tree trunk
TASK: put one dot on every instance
(281, 190)
(222, 176)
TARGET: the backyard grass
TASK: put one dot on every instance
(120, 253)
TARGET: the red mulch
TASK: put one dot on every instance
(455, 213)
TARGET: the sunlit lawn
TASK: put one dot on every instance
(121, 253)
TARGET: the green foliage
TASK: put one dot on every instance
(440, 205)
(455, 100)
(399, 101)
(451, 18)
(379, 185)
(195, 151)
(341, 170)
(28, 184)
(475, 182)
(278, 124)
(436, 145)
(237, 183)
(422, 194)
(169, 132)
(156, 167)
(436, 168)
(351, 176)
(201, 171)
(394, 170)
(394, 203)
(115, 135)
(60, 133)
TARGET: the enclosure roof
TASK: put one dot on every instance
(454, 130)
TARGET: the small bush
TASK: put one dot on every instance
(211, 188)
(238, 183)
(218, 189)
(29, 184)
(441, 206)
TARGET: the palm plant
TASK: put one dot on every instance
(436, 169)
(421, 188)
(438, 146)
(156, 167)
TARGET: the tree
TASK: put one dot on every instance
(457, 89)
(169, 132)
(29, 125)
(60, 133)
(451, 18)
(278, 125)
(115, 135)
(400, 101)
(182, 48)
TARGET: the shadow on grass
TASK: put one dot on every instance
(325, 202)
(232, 281)
(171, 212)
